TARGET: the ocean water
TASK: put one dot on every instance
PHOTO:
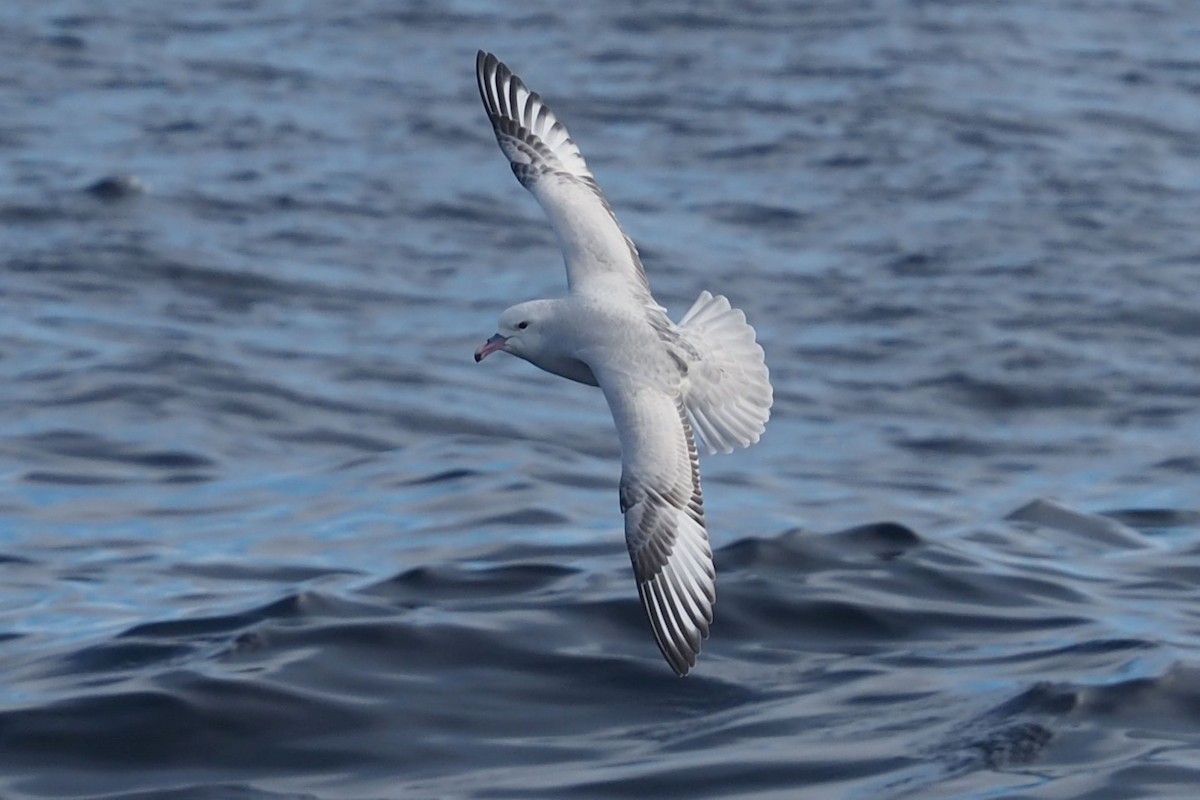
(266, 530)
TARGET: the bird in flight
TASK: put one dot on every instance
(666, 383)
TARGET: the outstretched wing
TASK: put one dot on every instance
(548, 164)
(664, 516)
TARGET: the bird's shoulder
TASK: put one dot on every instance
(633, 344)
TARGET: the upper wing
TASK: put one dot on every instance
(664, 516)
(548, 164)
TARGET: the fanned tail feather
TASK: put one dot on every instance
(728, 390)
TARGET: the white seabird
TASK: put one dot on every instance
(662, 380)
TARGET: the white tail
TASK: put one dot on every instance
(728, 390)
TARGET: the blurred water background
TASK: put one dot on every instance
(268, 532)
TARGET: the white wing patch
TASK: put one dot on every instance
(728, 389)
(548, 163)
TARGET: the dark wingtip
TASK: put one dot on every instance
(486, 64)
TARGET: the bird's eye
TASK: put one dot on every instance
(522, 325)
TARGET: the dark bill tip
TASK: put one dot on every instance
(490, 346)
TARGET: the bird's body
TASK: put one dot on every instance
(658, 377)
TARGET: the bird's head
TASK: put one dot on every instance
(522, 331)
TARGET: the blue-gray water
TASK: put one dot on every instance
(267, 531)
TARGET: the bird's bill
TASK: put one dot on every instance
(490, 346)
